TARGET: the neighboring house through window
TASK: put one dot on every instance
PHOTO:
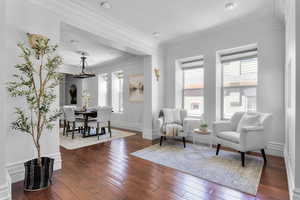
(193, 85)
(239, 81)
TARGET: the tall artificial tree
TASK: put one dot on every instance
(36, 80)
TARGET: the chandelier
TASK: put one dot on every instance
(83, 73)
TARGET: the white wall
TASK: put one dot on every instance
(292, 94)
(23, 17)
(4, 182)
(269, 35)
(132, 117)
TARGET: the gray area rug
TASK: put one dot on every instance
(201, 161)
(79, 142)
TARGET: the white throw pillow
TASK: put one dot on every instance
(176, 116)
(248, 120)
(168, 115)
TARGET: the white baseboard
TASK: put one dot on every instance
(5, 189)
(127, 125)
(17, 172)
(275, 149)
(293, 191)
(147, 134)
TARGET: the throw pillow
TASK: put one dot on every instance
(168, 115)
(177, 116)
(248, 120)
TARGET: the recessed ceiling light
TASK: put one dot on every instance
(230, 5)
(105, 4)
(156, 34)
(74, 41)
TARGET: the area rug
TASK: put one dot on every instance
(201, 161)
(79, 142)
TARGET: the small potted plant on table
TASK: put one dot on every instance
(36, 81)
(204, 127)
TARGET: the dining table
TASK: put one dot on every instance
(88, 116)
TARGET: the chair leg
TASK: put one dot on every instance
(218, 149)
(161, 139)
(243, 158)
(64, 130)
(109, 129)
(68, 128)
(97, 130)
(183, 139)
(264, 155)
(73, 130)
(165, 137)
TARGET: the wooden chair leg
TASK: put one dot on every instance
(109, 128)
(183, 139)
(161, 139)
(97, 131)
(73, 130)
(64, 130)
(68, 129)
(264, 155)
(218, 149)
(165, 138)
(243, 158)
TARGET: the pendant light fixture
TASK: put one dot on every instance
(83, 73)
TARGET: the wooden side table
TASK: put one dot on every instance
(208, 133)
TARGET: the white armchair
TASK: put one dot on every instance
(243, 132)
(177, 119)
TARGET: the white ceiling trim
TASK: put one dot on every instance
(101, 25)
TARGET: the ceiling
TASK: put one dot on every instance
(174, 18)
(74, 40)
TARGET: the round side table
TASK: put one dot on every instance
(208, 133)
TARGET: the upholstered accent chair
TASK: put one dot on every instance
(174, 123)
(103, 119)
(244, 132)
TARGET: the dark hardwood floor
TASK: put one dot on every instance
(107, 171)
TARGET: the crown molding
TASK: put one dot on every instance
(75, 13)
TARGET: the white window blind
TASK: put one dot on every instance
(239, 55)
(191, 63)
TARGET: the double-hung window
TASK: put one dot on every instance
(239, 81)
(102, 89)
(193, 86)
(117, 91)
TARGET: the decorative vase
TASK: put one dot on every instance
(38, 177)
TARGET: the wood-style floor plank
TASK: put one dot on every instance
(107, 171)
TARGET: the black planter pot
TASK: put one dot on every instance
(38, 177)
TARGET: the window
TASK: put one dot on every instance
(193, 85)
(239, 82)
(102, 89)
(117, 91)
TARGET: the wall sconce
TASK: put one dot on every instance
(157, 73)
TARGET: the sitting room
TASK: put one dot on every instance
(149, 100)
